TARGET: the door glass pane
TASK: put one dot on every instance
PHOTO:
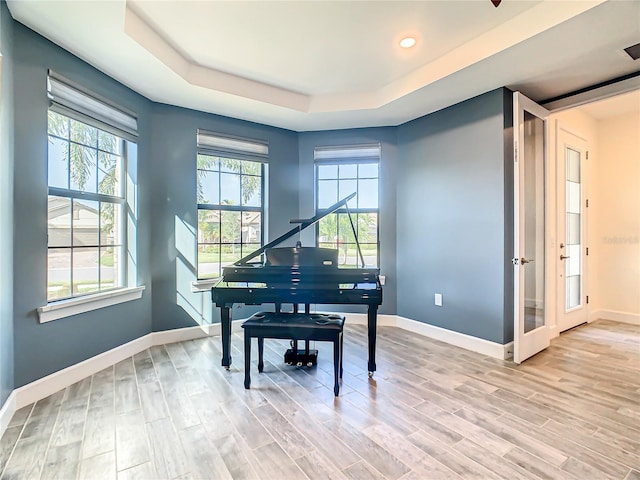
(573, 228)
(573, 165)
(573, 225)
(533, 158)
(573, 291)
(573, 197)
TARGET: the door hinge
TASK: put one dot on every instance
(515, 152)
(587, 251)
(587, 299)
(587, 155)
(587, 203)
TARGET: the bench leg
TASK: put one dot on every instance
(260, 354)
(336, 365)
(341, 352)
(247, 360)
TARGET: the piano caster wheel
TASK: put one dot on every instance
(299, 364)
(370, 374)
(309, 364)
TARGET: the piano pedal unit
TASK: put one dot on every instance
(301, 357)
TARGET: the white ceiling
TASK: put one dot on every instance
(315, 65)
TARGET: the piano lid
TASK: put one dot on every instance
(302, 224)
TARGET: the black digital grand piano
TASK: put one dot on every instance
(298, 276)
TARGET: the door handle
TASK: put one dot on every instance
(524, 260)
(562, 257)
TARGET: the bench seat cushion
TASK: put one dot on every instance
(300, 325)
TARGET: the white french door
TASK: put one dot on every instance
(571, 252)
(531, 332)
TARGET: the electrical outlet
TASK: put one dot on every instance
(438, 299)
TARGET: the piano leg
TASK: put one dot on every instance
(372, 320)
(225, 327)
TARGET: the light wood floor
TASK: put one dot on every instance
(433, 411)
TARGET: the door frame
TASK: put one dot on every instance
(527, 344)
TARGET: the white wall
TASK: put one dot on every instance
(617, 236)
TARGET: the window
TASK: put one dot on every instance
(230, 189)
(88, 181)
(341, 171)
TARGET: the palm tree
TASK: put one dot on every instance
(251, 174)
(82, 143)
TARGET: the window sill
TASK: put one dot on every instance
(204, 285)
(74, 306)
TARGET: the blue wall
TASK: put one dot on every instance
(454, 217)
(6, 205)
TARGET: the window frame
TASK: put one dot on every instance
(220, 207)
(75, 103)
(100, 198)
(348, 155)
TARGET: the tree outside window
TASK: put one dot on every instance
(230, 211)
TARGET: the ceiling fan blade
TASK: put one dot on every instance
(496, 2)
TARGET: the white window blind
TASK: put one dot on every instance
(225, 145)
(74, 101)
(348, 153)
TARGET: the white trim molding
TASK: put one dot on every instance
(7, 411)
(468, 342)
(74, 306)
(50, 384)
(622, 317)
(204, 285)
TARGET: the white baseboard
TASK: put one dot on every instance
(7, 411)
(475, 344)
(50, 384)
(479, 345)
(622, 317)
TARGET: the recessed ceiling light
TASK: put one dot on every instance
(407, 42)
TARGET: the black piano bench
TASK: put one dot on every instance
(319, 327)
